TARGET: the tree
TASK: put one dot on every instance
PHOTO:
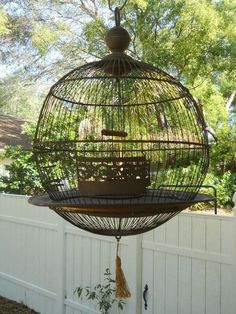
(190, 39)
(194, 40)
(18, 99)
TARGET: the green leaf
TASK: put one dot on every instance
(79, 291)
(103, 295)
(44, 37)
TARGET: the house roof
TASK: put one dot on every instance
(11, 132)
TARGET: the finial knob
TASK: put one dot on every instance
(117, 38)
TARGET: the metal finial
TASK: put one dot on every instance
(117, 38)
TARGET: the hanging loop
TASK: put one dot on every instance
(117, 16)
(109, 5)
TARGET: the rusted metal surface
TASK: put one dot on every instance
(118, 130)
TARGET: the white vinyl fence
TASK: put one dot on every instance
(43, 259)
(189, 264)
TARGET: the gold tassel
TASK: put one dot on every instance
(122, 289)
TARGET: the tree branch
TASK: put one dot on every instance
(230, 100)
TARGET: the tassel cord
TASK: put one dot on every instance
(122, 289)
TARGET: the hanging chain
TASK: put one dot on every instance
(110, 7)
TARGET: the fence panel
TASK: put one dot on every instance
(28, 259)
(193, 257)
(188, 263)
(43, 259)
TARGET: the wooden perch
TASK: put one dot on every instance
(114, 133)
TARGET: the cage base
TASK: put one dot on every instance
(154, 202)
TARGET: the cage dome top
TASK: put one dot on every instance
(121, 146)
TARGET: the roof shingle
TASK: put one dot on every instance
(11, 132)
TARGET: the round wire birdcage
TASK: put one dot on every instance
(121, 146)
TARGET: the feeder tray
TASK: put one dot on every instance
(121, 217)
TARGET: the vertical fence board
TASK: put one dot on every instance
(148, 273)
(227, 234)
(78, 263)
(227, 295)
(185, 231)
(171, 284)
(184, 285)
(198, 287)
(86, 261)
(70, 268)
(213, 288)
(148, 236)
(159, 288)
(213, 236)
(172, 232)
(104, 258)
(95, 262)
(160, 234)
(86, 270)
(199, 234)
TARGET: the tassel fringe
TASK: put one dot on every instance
(122, 289)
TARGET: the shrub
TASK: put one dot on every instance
(225, 186)
(22, 176)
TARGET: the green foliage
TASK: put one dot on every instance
(103, 295)
(223, 154)
(225, 186)
(213, 101)
(95, 32)
(178, 34)
(22, 176)
(44, 37)
(18, 100)
(194, 40)
(4, 22)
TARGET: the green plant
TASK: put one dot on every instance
(225, 186)
(22, 176)
(103, 295)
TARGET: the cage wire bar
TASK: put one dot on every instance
(121, 146)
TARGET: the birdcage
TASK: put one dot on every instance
(121, 146)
